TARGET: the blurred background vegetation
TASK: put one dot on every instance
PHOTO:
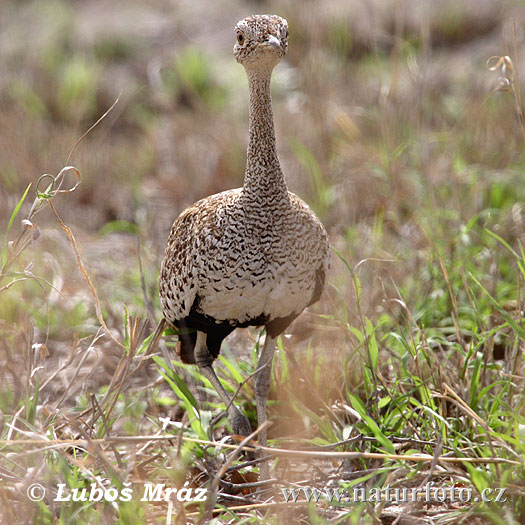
(389, 124)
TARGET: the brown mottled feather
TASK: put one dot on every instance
(255, 255)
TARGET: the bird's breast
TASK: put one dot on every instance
(253, 273)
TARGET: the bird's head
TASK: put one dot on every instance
(260, 41)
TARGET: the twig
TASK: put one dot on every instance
(72, 241)
(241, 486)
(107, 428)
(212, 497)
(480, 421)
(279, 452)
(155, 341)
(93, 447)
(250, 463)
(255, 506)
(428, 477)
(76, 372)
(147, 302)
(394, 439)
(86, 133)
(238, 389)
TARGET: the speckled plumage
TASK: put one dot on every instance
(255, 255)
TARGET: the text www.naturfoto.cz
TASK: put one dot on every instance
(428, 494)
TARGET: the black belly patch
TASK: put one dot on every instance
(216, 331)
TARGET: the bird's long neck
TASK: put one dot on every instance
(263, 178)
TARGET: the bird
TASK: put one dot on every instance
(251, 256)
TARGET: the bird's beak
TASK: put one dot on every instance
(273, 41)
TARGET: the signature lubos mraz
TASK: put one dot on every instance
(151, 492)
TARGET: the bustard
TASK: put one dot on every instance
(251, 256)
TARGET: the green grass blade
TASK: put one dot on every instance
(10, 223)
(371, 424)
(373, 349)
(510, 321)
(177, 380)
(520, 260)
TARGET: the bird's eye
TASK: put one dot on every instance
(240, 38)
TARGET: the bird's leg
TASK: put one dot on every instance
(262, 389)
(203, 358)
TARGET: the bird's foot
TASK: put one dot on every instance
(241, 425)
